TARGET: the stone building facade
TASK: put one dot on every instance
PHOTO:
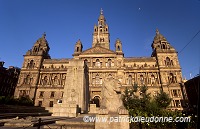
(8, 79)
(43, 78)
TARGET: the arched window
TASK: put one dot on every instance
(109, 64)
(98, 63)
(172, 78)
(171, 62)
(52, 94)
(27, 80)
(163, 46)
(77, 49)
(31, 64)
(118, 48)
(129, 80)
(167, 61)
(45, 80)
(55, 80)
(152, 79)
(141, 79)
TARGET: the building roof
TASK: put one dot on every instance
(139, 59)
(56, 61)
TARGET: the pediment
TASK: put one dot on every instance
(98, 50)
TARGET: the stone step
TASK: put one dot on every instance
(22, 115)
(30, 121)
(71, 123)
(12, 111)
(20, 109)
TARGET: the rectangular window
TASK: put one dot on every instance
(51, 104)
(179, 93)
(177, 103)
(40, 103)
(175, 94)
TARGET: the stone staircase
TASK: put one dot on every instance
(71, 123)
(12, 111)
(27, 116)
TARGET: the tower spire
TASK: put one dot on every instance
(157, 31)
(101, 34)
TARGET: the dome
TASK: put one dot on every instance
(78, 42)
(102, 18)
(159, 37)
(118, 41)
(42, 41)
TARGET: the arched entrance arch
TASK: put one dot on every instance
(96, 100)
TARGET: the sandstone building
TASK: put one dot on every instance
(44, 79)
(8, 79)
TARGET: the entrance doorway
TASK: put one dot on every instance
(96, 100)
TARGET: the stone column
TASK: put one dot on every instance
(75, 94)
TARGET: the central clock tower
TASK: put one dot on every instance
(101, 34)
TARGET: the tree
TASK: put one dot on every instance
(163, 99)
(144, 98)
(139, 103)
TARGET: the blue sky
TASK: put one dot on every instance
(134, 22)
